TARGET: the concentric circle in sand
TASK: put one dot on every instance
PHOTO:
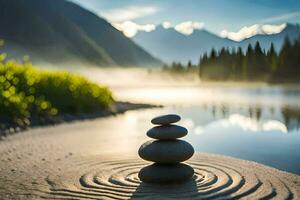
(215, 177)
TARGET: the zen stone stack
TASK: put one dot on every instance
(167, 152)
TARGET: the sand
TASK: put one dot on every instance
(97, 159)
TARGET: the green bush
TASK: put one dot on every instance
(27, 92)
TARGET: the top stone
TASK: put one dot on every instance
(165, 119)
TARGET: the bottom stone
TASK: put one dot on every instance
(166, 173)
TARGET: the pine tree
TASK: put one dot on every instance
(248, 62)
(297, 59)
(272, 59)
(202, 64)
(239, 63)
(189, 65)
(259, 64)
(285, 53)
(255, 64)
(297, 53)
(213, 55)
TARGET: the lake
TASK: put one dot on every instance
(256, 122)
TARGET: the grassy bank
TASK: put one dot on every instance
(30, 95)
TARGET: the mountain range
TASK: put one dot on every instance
(59, 31)
(169, 45)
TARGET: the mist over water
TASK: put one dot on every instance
(127, 76)
(256, 121)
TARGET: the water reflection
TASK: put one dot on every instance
(253, 123)
(254, 118)
(267, 135)
(211, 95)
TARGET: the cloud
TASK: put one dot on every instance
(272, 29)
(249, 31)
(188, 27)
(274, 125)
(128, 13)
(130, 28)
(188, 123)
(199, 130)
(284, 17)
(167, 24)
(248, 124)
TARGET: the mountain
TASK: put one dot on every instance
(170, 45)
(292, 31)
(59, 31)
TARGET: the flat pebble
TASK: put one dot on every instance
(161, 173)
(166, 151)
(167, 132)
(166, 119)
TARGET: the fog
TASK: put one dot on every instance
(145, 85)
(129, 76)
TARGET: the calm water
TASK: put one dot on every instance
(258, 123)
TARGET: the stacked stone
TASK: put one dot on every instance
(167, 152)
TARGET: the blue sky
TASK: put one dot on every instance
(216, 15)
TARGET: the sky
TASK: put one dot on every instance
(235, 19)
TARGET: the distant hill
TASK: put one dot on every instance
(170, 45)
(291, 30)
(59, 31)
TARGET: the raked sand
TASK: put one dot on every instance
(97, 159)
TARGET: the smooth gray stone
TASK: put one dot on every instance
(162, 173)
(166, 151)
(165, 119)
(167, 132)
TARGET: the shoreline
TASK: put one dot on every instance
(119, 107)
(97, 159)
(110, 176)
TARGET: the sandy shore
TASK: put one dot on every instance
(119, 107)
(96, 159)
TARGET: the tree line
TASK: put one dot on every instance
(254, 64)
